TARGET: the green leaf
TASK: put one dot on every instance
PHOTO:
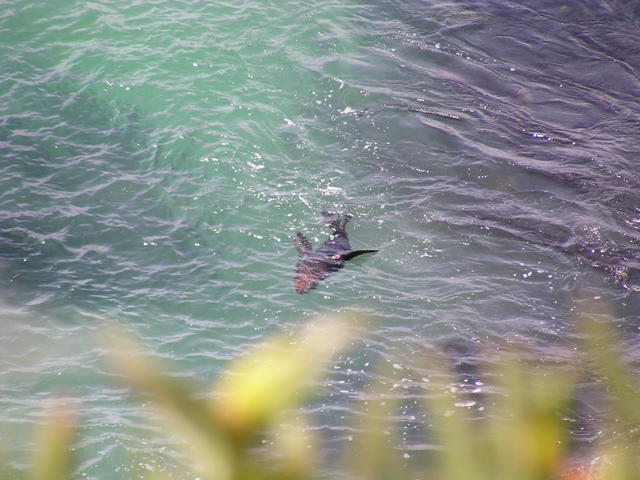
(55, 459)
(372, 454)
(272, 378)
(214, 453)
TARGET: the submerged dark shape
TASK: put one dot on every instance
(316, 265)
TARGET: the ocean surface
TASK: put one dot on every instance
(157, 158)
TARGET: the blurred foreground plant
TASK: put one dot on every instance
(55, 458)
(245, 428)
(249, 405)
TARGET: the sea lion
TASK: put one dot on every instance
(316, 265)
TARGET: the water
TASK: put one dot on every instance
(158, 158)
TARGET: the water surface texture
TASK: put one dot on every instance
(158, 158)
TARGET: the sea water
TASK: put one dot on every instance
(158, 157)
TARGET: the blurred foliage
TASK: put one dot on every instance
(55, 459)
(247, 428)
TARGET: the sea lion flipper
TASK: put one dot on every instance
(303, 244)
(354, 253)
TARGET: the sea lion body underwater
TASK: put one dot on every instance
(315, 265)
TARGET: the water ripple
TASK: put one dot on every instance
(160, 156)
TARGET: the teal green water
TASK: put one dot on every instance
(158, 158)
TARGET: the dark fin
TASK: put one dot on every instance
(303, 244)
(354, 253)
